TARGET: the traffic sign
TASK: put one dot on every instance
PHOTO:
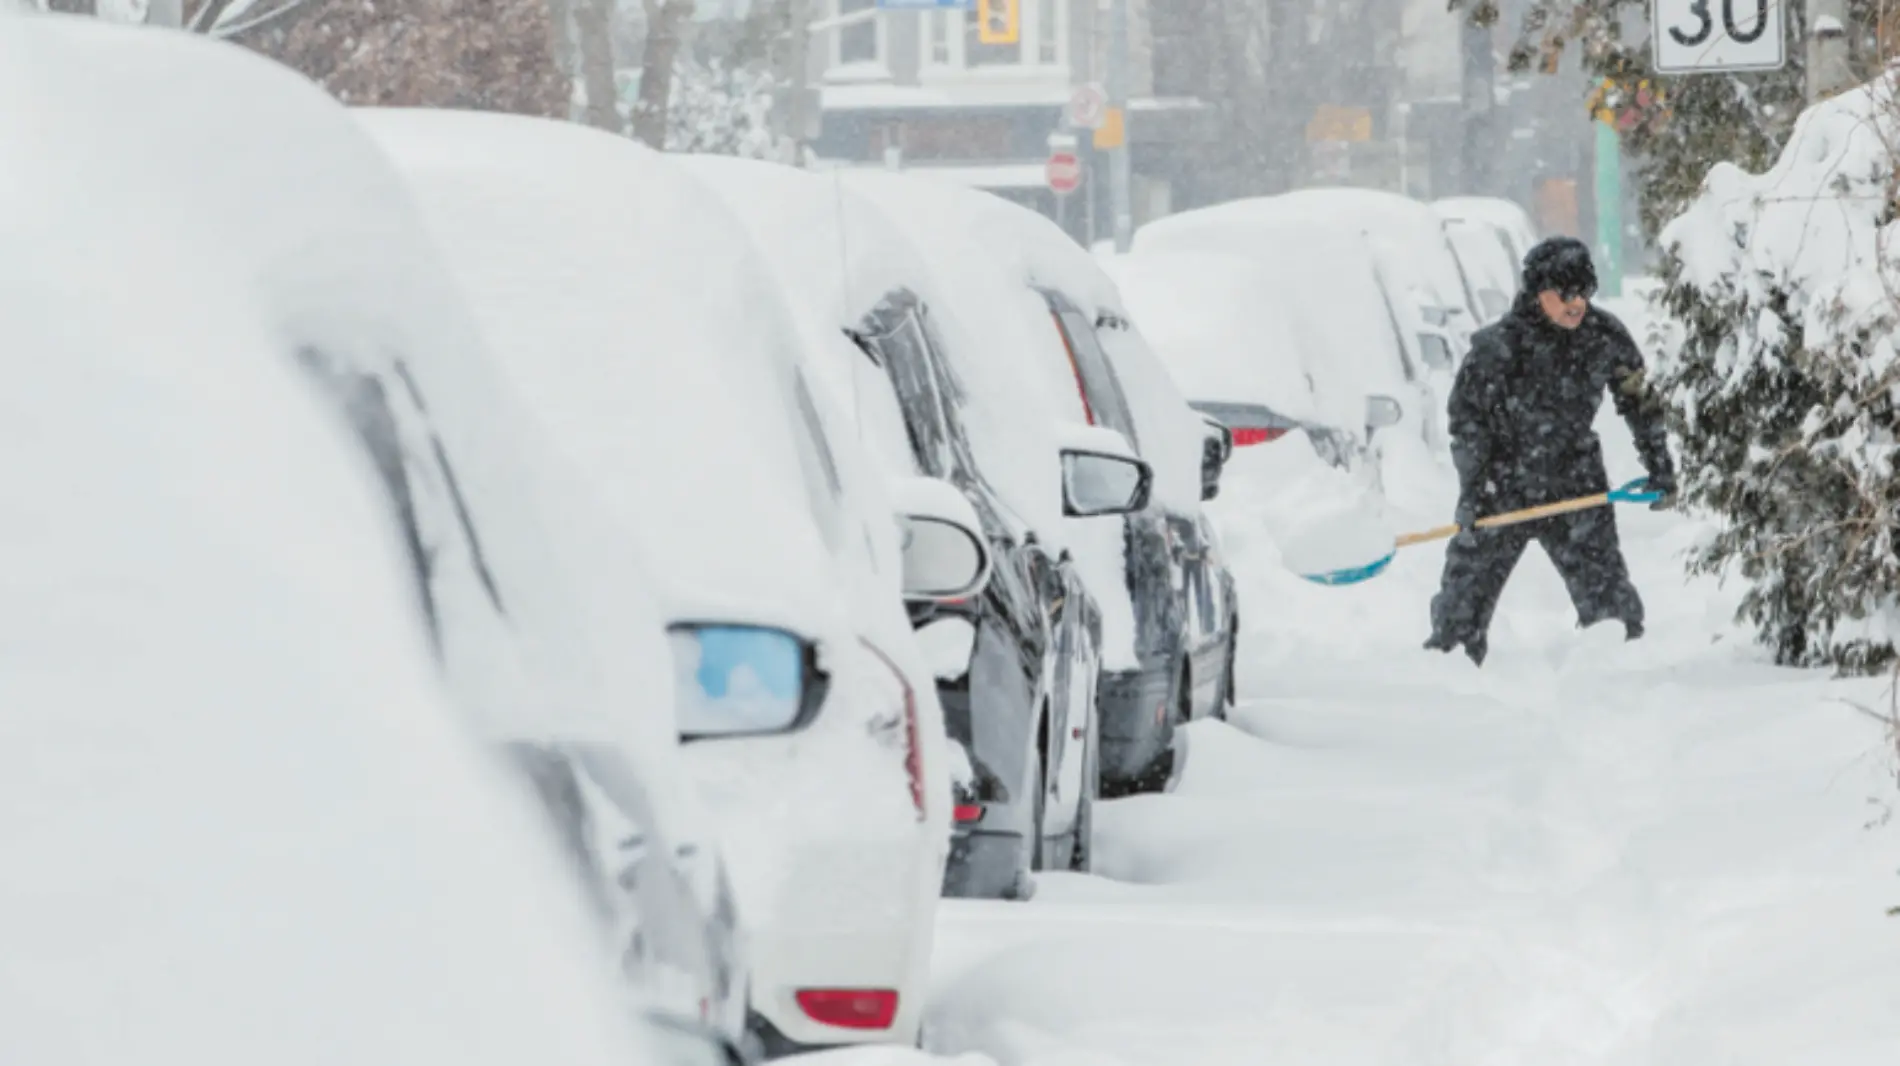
(999, 21)
(1088, 107)
(1711, 36)
(1110, 134)
(1063, 172)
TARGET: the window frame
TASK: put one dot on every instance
(958, 26)
(838, 20)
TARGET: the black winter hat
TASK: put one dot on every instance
(1560, 263)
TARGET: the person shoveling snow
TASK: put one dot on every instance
(1521, 414)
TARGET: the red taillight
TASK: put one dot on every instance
(850, 1008)
(968, 812)
(913, 743)
(1245, 437)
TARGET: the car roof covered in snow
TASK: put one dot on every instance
(273, 171)
(629, 307)
(321, 237)
(243, 822)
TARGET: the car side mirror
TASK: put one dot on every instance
(946, 557)
(1217, 446)
(1382, 411)
(1101, 474)
(1436, 350)
(735, 680)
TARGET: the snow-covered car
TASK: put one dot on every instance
(629, 309)
(1482, 251)
(1170, 630)
(1345, 303)
(1214, 318)
(546, 634)
(1513, 224)
(1410, 236)
(245, 822)
(1016, 666)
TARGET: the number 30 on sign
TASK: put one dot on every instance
(1711, 36)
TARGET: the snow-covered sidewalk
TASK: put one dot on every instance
(1590, 852)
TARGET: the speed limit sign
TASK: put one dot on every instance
(1710, 36)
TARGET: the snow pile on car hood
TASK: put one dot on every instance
(241, 823)
(1204, 315)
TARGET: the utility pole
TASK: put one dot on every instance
(1121, 172)
(1478, 97)
(1827, 71)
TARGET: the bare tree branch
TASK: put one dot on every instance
(248, 22)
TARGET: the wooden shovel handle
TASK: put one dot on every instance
(1509, 518)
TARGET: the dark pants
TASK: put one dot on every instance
(1582, 545)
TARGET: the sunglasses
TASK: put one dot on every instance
(1572, 292)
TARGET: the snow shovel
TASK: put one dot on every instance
(1636, 491)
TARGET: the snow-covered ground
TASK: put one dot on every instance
(1667, 853)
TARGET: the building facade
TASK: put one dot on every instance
(920, 90)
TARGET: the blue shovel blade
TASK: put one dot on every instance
(1352, 575)
(1636, 491)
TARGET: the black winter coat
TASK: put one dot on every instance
(1525, 400)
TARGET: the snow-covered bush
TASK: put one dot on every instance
(1783, 377)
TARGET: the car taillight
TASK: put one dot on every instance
(850, 1008)
(913, 742)
(967, 812)
(1246, 437)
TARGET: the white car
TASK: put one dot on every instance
(1344, 301)
(546, 631)
(1483, 252)
(1170, 612)
(1511, 222)
(244, 822)
(629, 310)
(1409, 235)
(1215, 319)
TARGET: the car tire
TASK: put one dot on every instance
(1156, 775)
(1228, 689)
(1082, 852)
(1040, 789)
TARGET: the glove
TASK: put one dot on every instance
(1665, 483)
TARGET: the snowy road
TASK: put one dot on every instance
(1653, 854)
